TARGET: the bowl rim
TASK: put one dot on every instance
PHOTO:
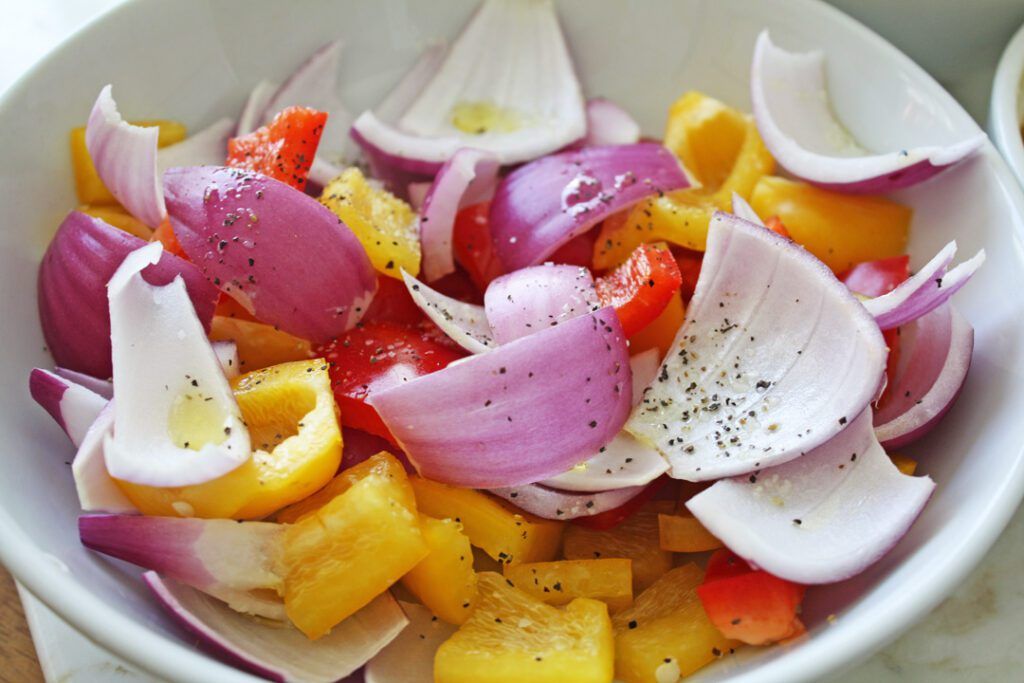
(47, 579)
(1005, 104)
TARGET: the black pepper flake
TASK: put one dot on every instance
(842, 420)
(632, 624)
(798, 522)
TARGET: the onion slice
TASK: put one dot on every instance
(925, 290)
(257, 238)
(102, 387)
(71, 405)
(935, 355)
(252, 113)
(125, 157)
(97, 492)
(774, 358)
(610, 124)
(409, 658)
(511, 67)
(276, 652)
(521, 413)
(795, 118)
(73, 276)
(208, 147)
(176, 421)
(542, 205)
(822, 518)
(466, 324)
(742, 209)
(468, 178)
(624, 461)
(531, 299)
(554, 504)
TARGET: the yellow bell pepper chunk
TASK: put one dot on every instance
(296, 441)
(259, 345)
(904, 464)
(557, 583)
(89, 187)
(512, 637)
(444, 580)
(635, 539)
(840, 229)
(666, 634)
(683, 533)
(119, 218)
(722, 149)
(385, 225)
(505, 533)
(352, 549)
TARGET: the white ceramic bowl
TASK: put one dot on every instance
(1006, 110)
(194, 60)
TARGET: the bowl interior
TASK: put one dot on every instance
(194, 60)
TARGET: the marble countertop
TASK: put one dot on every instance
(972, 636)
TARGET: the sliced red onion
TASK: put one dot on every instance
(212, 555)
(742, 209)
(935, 355)
(323, 172)
(281, 652)
(71, 405)
(73, 276)
(409, 658)
(531, 299)
(417, 194)
(819, 519)
(315, 84)
(468, 178)
(102, 387)
(187, 386)
(252, 113)
(610, 124)
(536, 91)
(97, 492)
(774, 358)
(542, 205)
(521, 413)
(795, 118)
(924, 291)
(227, 357)
(466, 324)
(126, 160)
(554, 504)
(405, 92)
(624, 461)
(208, 147)
(256, 238)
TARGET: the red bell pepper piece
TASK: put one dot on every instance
(641, 287)
(749, 605)
(284, 148)
(775, 225)
(393, 304)
(579, 251)
(471, 243)
(373, 357)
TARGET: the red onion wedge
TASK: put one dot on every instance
(794, 117)
(742, 209)
(624, 461)
(126, 160)
(544, 204)
(252, 113)
(221, 557)
(554, 504)
(97, 492)
(531, 299)
(924, 291)
(176, 422)
(466, 324)
(257, 239)
(409, 658)
(506, 86)
(751, 380)
(822, 518)
(610, 124)
(521, 413)
(73, 276)
(468, 178)
(208, 147)
(71, 405)
(280, 652)
(935, 354)
(102, 387)
(315, 84)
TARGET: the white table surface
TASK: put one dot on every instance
(972, 636)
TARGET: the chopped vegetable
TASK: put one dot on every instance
(283, 149)
(640, 288)
(532, 299)
(259, 345)
(609, 124)
(554, 504)
(409, 658)
(474, 250)
(558, 583)
(683, 533)
(444, 580)
(72, 406)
